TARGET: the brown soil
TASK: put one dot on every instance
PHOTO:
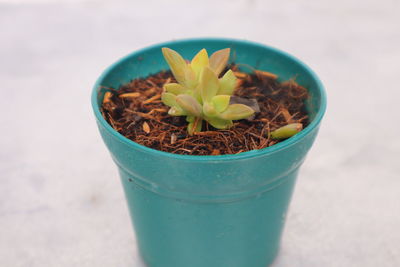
(136, 111)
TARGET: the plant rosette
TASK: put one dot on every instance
(225, 210)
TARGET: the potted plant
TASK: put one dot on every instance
(220, 209)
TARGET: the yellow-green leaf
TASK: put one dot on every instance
(227, 83)
(236, 112)
(209, 84)
(176, 111)
(287, 131)
(220, 102)
(199, 61)
(219, 59)
(190, 118)
(197, 93)
(174, 88)
(195, 126)
(169, 99)
(189, 104)
(177, 64)
(209, 110)
(190, 77)
(220, 123)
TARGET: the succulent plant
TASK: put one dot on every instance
(200, 94)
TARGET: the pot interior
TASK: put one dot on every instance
(150, 60)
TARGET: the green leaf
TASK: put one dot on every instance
(195, 126)
(190, 118)
(287, 131)
(190, 78)
(209, 84)
(169, 99)
(189, 104)
(176, 111)
(220, 123)
(174, 88)
(220, 102)
(219, 59)
(209, 109)
(197, 93)
(227, 83)
(199, 61)
(177, 64)
(236, 112)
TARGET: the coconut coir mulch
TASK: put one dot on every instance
(135, 110)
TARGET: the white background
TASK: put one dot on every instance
(61, 202)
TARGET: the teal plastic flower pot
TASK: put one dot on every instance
(209, 211)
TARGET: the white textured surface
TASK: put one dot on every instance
(61, 202)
